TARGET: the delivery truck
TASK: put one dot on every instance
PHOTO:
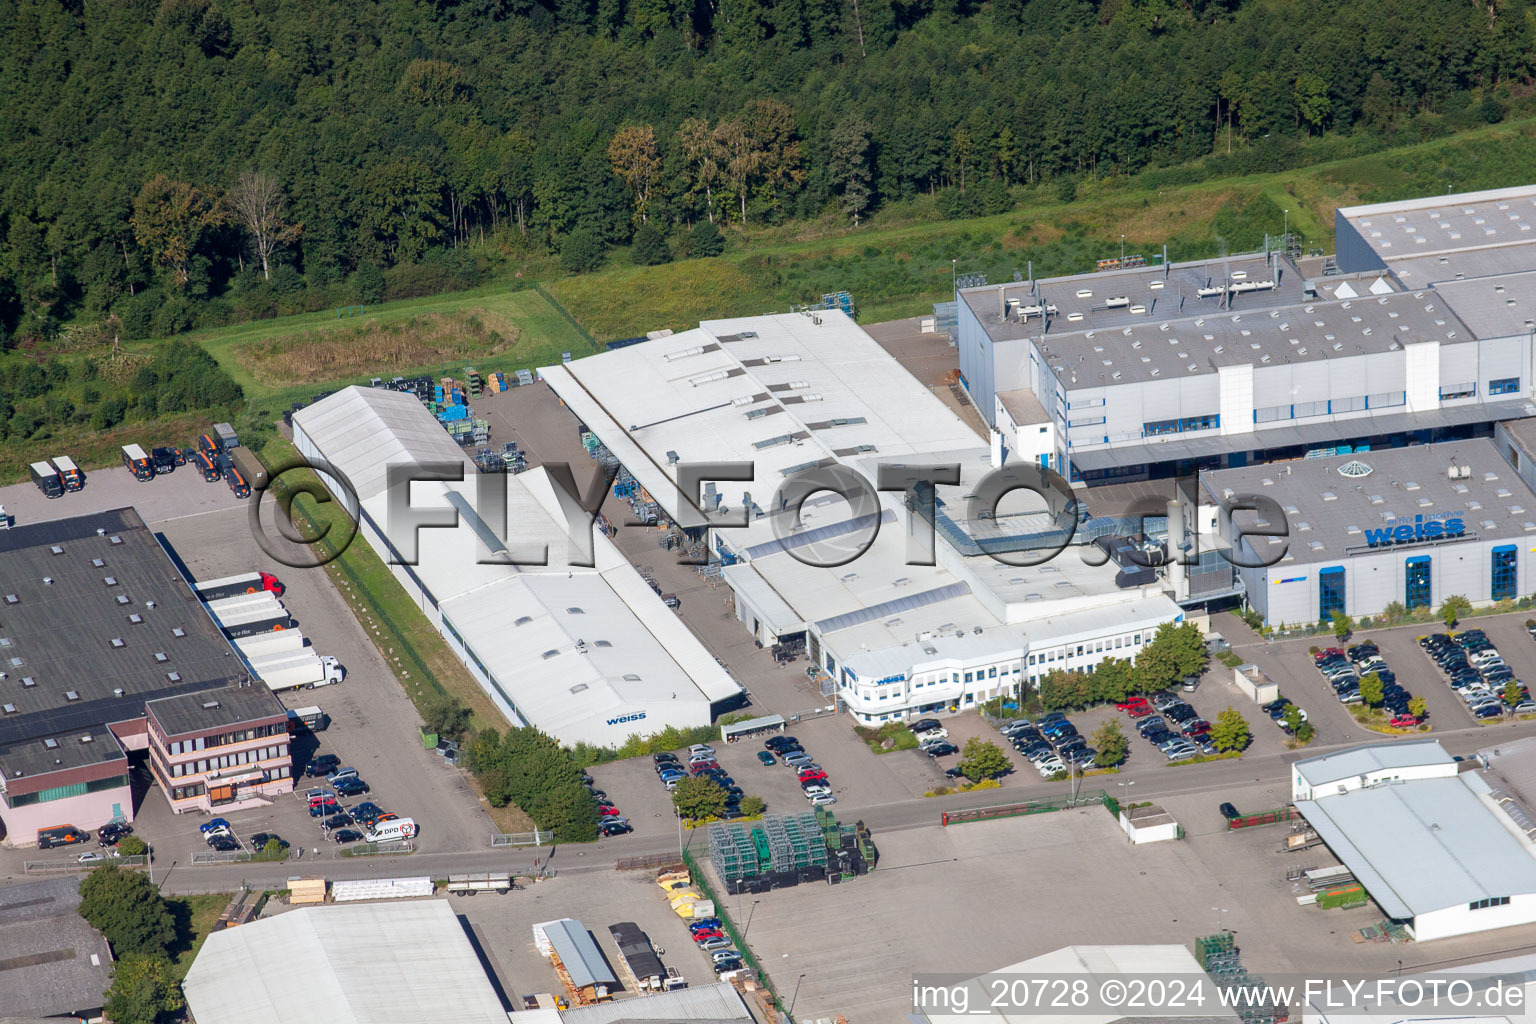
(244, 583)
(392, 831)
(311, 719)
(137, 462)
(237, 482)
(249, 466)
(47, 480)
(206, 466)
(305, 671)
(69, 473)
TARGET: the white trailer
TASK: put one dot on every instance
(317, 670)
(263, 645)
(480, 881)
(237, 602)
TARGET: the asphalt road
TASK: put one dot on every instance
(1156, 782)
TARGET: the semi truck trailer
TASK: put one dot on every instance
(244, 583)
(263, 645)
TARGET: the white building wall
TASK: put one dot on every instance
(1301, 789)
(1460, 920)
(1422, 375)
(1236, 385)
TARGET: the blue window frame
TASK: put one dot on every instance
(1416, 590)
(1504, 386)
(1503, 583)
(1179, 426)
(1330, 592)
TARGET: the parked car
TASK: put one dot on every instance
(212, 824)
(1229, 812)
(704, 924)
(223, 844)
(322, 765)
(1181, 753)
(92, 857)
(1489, 711)
(765, 757)
(1050, 766)
(346, 835)
(217, 833)
(716, 942)
(351, 787)
(727, 965)
(823, 800)
(705, 934)
(941, 750)
(779, 742)
(664, 758)
(111, 832)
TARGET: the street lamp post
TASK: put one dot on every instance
(748, 926)
(954, 280)
(1125, 786)
(795, 996)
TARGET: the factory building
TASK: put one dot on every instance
(904, 612)
(109, 655)
(1409, 526)
(584, 653)
(1440, 850)
(1420, 332)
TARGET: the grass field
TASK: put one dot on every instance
(195, 917)
(901, 270)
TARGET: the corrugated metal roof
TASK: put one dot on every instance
(1356, 761)
(1424, 845)
(367, 963)
(579, 954)
(715, 1002)
(361, 431)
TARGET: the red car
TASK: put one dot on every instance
(1197, 727)
(707, 933)
(1140, 710)
(603, 809)
(1403, 722)
(817, 776)
(1327, 652)
(700, 769)
(1132, 702)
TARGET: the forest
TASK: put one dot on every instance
(176, 164)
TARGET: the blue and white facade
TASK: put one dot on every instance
(1409, 526)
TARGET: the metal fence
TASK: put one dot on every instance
(47, 867)
(1263, 818)
(538, 837)
(1057, 803)
(650, 860)
(370, 849)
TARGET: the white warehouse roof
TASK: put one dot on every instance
(368, 963)
(584, 653)
(780, 391)
(1357, 761)
(1425, 844)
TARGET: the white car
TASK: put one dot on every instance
(811, 792)
(933, 735)
(823, 799)
(1050, 766)
(701, 748)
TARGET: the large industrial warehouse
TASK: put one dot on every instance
(896, 638)
(1418, 334)
(108, 651)
(585, 654)
(1408, 525)
(1437, 848)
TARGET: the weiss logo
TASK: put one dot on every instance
(637, 716)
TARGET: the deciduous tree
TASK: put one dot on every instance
(1111, 743)
(126, 908)
(169, 219)
(697, 798)
(258, 203)
(1230, 731)
(850, 170)
(637, 162)
(143, 991)
(983, 759)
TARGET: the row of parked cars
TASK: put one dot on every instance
(1050, 744)
(1345, 668)
(814, 784)
(610, 822)
(340, 824)
(709, 935)
(933, 738)
(1171, 724)
(700, 763)
(1478, 673)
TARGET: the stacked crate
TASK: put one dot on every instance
(795, 842)
(473, 381)
(732, 852)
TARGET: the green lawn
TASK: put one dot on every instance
(542, 335)
(195, 917)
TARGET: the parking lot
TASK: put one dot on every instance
(373, 725)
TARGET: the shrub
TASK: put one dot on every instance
(650, 247)
(706, 240)
(581, 250)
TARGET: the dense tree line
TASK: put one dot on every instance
(184, 162)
